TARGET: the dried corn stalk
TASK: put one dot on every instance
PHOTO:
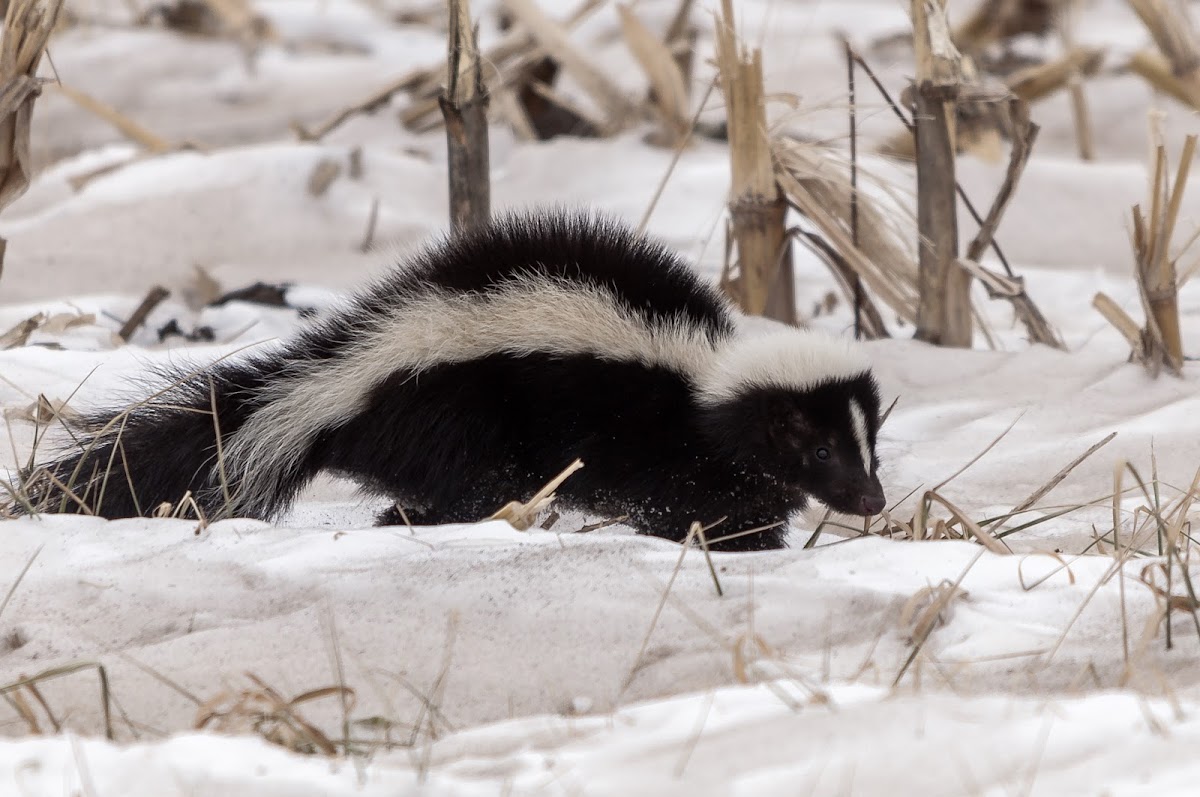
(27, 28)
(980, 122)
(1159, 343)
(765, 285)
(944, 309)
(1175, 68)
(464, 107)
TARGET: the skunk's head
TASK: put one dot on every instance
(805, 409)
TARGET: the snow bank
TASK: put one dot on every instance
(527, 623)
(758, 740)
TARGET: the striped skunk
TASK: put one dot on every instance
(478, 370)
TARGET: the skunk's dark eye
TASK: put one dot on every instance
(822, 453)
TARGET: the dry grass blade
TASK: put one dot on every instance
(20, 577)
(368, 240)
(985, 538)
(1175, 68)
(587, 527)
(978, 456)
(372, 102)
(261, 709)
(666, 80)
(1122, 554)
(676, 155)
(27, 28)
(635, 668)
(1054, 481)
(55, 324)
(1169, 532)
(1038, 82)
(926, 609)
(1062, 565)
(930, 617)
(554, 39)
(132, 130)
(520, 515)
(1078, 69)
(154, 298)
(20, 705)
(19, 334)
(868, 321)
(819, 188)
(698, 531)
(1122, 322)
(1026, 134)
(1035, 322)
(1157, 71)
(436, 694)
(1171, 27)
(106, 701)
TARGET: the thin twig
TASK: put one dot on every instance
(153, 299)
(853, 112)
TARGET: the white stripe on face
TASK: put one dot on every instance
(859, 420)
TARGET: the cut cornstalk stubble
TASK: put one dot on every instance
(1159, 343)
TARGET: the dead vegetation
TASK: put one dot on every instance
(28, 25)
(464, 108)
(944, 306)
(1158, 343)
(515, 81)
(764, 283)
(1174, 69)
(258, 708)
(235, 20)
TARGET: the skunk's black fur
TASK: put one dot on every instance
(477, 371)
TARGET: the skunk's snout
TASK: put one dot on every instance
(872, 501)
(873, 504)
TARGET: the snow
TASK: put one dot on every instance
(561, 662)
(737, 740)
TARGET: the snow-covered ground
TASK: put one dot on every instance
(483, 660)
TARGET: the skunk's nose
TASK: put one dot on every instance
(872, 504)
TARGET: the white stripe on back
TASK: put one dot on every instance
(536, 314)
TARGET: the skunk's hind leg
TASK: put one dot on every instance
(401, 514)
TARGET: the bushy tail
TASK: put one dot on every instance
(170, 449)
